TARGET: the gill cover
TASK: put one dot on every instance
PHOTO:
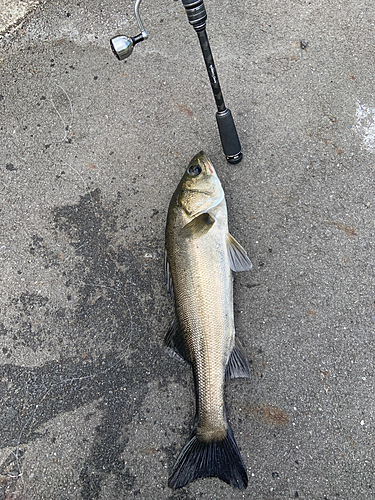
(200, 187)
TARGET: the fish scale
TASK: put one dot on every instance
(207, 320)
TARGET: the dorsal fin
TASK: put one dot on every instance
(175, 341)
(167, 272)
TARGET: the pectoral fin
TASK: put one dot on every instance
(238, 258)
(175, 341)
(198, 226)
(238, 365)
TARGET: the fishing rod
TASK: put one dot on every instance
(122, 47)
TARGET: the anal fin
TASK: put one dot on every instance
(238, 364)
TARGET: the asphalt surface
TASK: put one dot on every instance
(91, 150)
(14, 12)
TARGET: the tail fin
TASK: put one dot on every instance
(220, 459)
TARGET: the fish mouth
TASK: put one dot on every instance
(207, 162)
(202, 158)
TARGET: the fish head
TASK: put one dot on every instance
(200, 188)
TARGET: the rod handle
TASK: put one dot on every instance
(229, 137)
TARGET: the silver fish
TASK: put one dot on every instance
(200, 258)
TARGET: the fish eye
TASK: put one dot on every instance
(194, 170)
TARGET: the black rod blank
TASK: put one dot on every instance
(211, 70)
(197, 17)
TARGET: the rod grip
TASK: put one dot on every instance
(229, 137)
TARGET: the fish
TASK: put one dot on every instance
(200, 255)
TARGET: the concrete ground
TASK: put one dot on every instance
(91, 150)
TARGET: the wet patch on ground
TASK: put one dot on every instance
(102, 336)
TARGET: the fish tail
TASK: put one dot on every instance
(200, 459)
